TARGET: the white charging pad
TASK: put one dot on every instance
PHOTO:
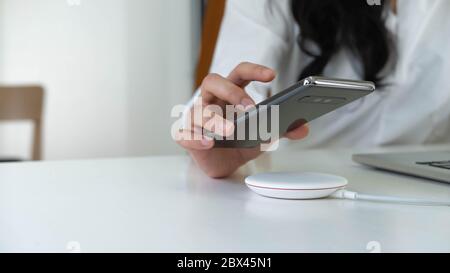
(298, 186)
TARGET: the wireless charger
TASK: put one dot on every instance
(299, 186)
(304, 186)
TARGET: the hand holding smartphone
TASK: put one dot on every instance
(303, 102)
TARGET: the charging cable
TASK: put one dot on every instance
(344, 194)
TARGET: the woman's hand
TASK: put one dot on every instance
(217, 90)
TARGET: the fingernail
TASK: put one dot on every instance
(206, 141)
(228, 128)
(246, 102)
(250, 107)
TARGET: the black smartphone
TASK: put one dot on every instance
(303, 102)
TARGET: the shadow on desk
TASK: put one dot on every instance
(9, 160)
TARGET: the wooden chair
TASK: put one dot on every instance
(212, 20)
(24, 103)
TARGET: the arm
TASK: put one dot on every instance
(252, 32)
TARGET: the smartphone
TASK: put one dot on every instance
(301, 103)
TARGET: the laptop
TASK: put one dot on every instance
(431, 165)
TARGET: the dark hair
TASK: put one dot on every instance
(335, 24)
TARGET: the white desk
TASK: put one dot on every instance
(165, 204)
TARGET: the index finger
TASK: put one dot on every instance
(247, 72)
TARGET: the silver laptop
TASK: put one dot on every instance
(431, 165)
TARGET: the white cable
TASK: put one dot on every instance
(344, 194)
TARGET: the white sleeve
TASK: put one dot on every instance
(254, 31)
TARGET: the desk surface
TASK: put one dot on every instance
(164, 204)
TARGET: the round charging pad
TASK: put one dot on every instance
(295, 185)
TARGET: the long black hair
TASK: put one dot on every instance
(335, 24)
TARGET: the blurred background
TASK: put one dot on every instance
(109, 72)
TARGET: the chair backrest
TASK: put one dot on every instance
(211, 27)
(24, 103)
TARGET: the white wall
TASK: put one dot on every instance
(112, 70)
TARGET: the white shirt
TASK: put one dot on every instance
(414, 109)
